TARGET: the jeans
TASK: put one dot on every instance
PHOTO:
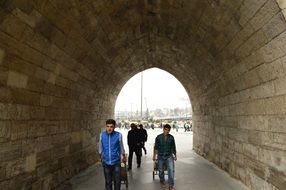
(169, 162)
(112, 173)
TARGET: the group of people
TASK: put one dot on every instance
(112, 152)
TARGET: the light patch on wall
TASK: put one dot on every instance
(17, 80)
(30, 163)
(30, 19)
(52, 78)
(76, 137)
(57, 69)
(2, 55)
(282, 4)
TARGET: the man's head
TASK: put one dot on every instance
(133, 126)
(141, 126)
(110, 125)
(166, 129)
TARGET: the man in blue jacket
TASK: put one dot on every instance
(110, 150)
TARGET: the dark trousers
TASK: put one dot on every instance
(138, 154)
(112, 173)
(143, 147)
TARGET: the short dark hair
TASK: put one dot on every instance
(110, 121)
(167, 126)
(140, 125)
(133, 126)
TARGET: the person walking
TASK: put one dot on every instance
(133, 141)
(165, 151)
(143, 137)
(110, 150)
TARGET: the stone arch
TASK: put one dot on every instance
(60, 65)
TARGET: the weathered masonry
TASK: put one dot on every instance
(63, 63)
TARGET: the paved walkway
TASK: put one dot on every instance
(192, 172)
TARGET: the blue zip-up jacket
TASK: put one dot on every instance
(111, 147)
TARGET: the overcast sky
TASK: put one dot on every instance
(160, 90)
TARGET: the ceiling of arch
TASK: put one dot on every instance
(191, 39)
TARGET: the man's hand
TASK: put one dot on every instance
(175, 157)
(100, 158)
(124, 158)
(154, 157)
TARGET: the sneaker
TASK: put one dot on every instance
(138, 166)
(171, 188)
(162, 183)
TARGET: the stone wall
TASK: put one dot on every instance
(241, 124)
(63, 63)
(49, 107)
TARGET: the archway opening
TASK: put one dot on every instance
(153, 94)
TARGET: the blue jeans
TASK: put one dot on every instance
(112, 173)
(169, 162)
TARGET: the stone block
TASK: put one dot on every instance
(36, 85)
(3, 77)
(273, 158)
(58, 152)
(5, 131)
(284, 12)
(18, 112)
(47, 182)
(19, 65)
(16, 79)
(14, 168)
(76, 137)
(42, 74)
(38, 129)
(13, 26)
(249, 9)
(279, 138)
(3, 111)
(2, 55)
(10, 151)
(275, 105)
(277, 124)
(39, 144)
(263, 91)
(52, 78)
(37, 185)
(30, 19)
(45, 28)
(275, 26)
(5, 95)
(280, 88)
(19, 130)
(43, 157)
(46, 100)
(30, 163)
(36, 113)
(276, 178)
(264, 14)
(281, 3)
(19, 96)
(2, 173)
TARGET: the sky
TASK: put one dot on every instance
(160, 90)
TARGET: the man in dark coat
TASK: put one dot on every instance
(143, 137)
(133, 141)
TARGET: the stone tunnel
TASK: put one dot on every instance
(63, 64)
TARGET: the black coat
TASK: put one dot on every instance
(133, 139)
